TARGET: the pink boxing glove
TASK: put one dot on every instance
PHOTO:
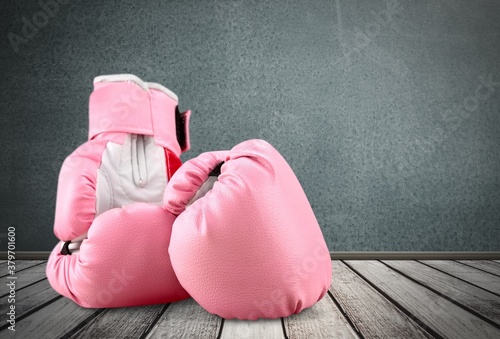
(114, 232)
(246, 243)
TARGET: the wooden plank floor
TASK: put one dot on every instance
(367, 299)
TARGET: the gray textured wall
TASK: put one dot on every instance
(386, 119)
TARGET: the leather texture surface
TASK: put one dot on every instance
(123, 257)
(123, 262)
(251, 247)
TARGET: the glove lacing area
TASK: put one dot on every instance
(134, 171)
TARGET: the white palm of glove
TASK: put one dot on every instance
(134, 171)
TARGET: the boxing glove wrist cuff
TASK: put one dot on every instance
(123, 103)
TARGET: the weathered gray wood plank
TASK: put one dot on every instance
(30, 298)
(186, 319)
(441, 315)
(323, 320)
(373, 315)
(20, 265)
(262, 328)
(52, 321)
(485, 303)
(27, 277)
(126, 322)
(485, 265)
(477, 277)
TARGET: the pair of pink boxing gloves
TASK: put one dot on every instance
(232, 229)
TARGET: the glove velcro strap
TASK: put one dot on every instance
(125, 104)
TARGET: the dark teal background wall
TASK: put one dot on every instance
(388, 112)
